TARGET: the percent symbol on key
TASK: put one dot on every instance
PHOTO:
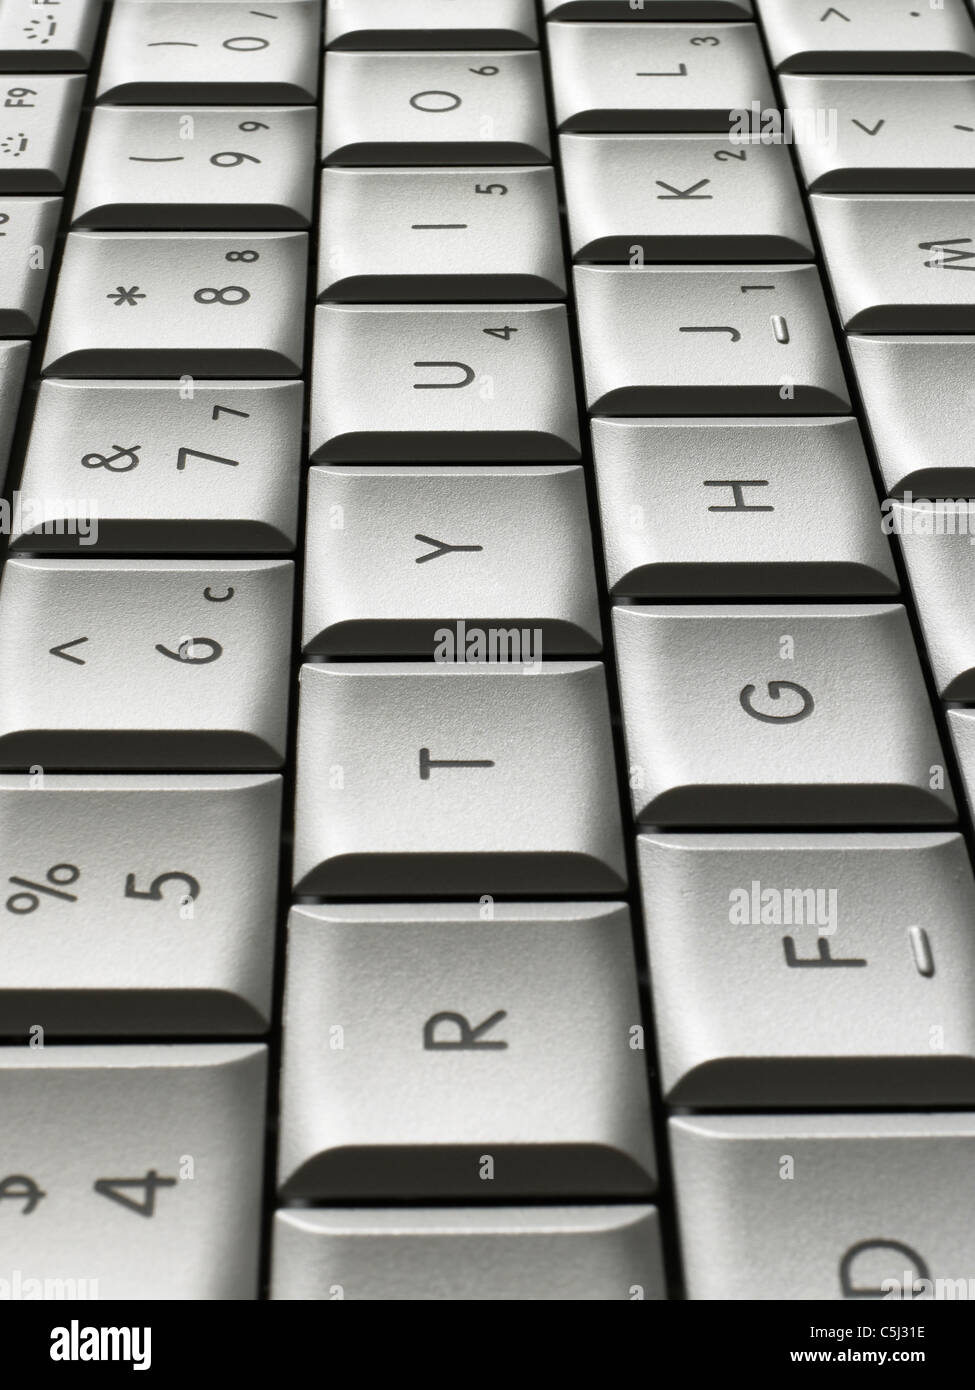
(55, 879)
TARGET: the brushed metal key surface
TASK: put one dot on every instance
(452, 384)
(425, 778)
(156, 167)
(889, 134)
(13, 369)
(869, 36)
(711, 340)
(478, 1057)
(894, 262)
(161, 469)
(823, 1206)
(919, 396)
(131, 664)
(647, 9)
(961, 726)
(28, 227)
(529, 1254)
(616, 77)
(394, 554)
(766, 715)
(811, 970)
(721, 509)
(141, 1166)
(396, 235)
(138, 905)
(430, 24)
(681, 198)
(38, 36)
(37, 132)
(173, 303)
(938, 545)
(434, 108)
(168, 51)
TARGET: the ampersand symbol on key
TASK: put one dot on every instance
(110, 461)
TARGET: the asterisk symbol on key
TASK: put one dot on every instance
(124, 296)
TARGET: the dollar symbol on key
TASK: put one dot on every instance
(111, 461)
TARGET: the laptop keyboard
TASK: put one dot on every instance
(484, 757)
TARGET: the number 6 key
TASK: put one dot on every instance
(173, 303)
(144, 664)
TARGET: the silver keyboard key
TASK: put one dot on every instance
(647, 9)
(28, 227)
(712, 340)
(397, 235)
(168, 51)
(131, 664)
(47, 35)
(869, 36)
(938, 545)
(889, 134)
(13, 369)
(425, 778)
(765, 715)
(171, 303)
(431, 24)
(656, 77)
(681, 198)
(724, 511)
(205, 468)
(811, 970)
(823, 1206)
(531, 1254)
(919, 394)
(167, 167)
(394, 554)
(890, 261)
(38, 116)
(138, 905)
(961, 726)
(434, 108)
(396, 1104)
(479, 383)
(140, 1169)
